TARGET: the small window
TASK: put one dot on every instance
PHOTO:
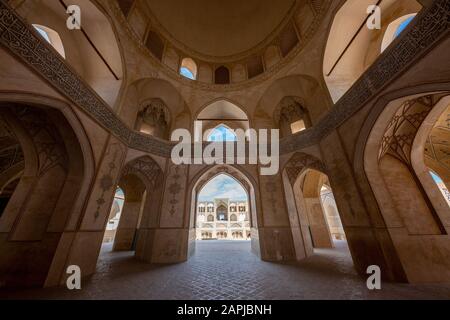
(222, 75)
(52, 37)
(298, 126)
(188, 69)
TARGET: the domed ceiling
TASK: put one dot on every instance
(220, 28)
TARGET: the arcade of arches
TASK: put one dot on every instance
(86, 117)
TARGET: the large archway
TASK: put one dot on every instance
(223, 210)
(135, 205)
(234, 213)
(403, 140)
(47, 168)
(312, 207)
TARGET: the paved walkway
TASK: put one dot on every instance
(228, 270)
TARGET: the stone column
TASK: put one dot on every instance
(275, 234)
(319, 228)
(368, 238)
(126, 230)
(80, 244)
(165, 237)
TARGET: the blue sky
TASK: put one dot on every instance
(222, 133)
(436, 178)
(222, 186)
(186, 73)
(403, 26)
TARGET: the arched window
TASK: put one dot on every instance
(154, 119)
(188, 69)
(352, 47)
(292, 117)
(221, 133)
(222, 213)
(222, 75)
(395, 28)
(298, 126)
(210, 218)
(233, 217)
(221, 113)
(52, 37)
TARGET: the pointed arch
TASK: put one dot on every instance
(139, 180)
(61, 173)
(409, 202)
(241, 176)
(221, 112)
(299, 162)
(222, 75)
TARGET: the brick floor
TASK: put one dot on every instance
(228, 270)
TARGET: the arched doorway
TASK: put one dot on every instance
(312, 209)
(133, 204)
(224, 206)
(45, 173)
(221, 196)
(407, 140)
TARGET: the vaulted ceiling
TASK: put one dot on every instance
(221, 28)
